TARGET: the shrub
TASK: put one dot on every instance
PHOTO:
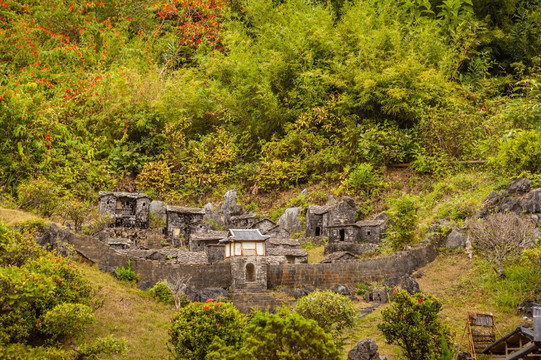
(38, 195)
(66, 320)
(75, 211)
(332, 312)
(363, 179)
(501, 238)
(107, 345)
(157, 176)
(386, 145)
(31, 287)
(162, 292)
(411, 322)
(126, 273)
(403, 218)
(195, 326)
(519, 151)
(280, 337)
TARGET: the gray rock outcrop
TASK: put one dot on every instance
(230, 207)
(365, 349)
(213, 217)
(518, 198)
(290, 220)
(405, 282)
(455, 240)
(157, 209)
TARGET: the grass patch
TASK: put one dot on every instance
(129, 313)
(12, 217)
(315, 254)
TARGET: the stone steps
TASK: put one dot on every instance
(262, 300)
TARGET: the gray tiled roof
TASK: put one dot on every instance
(247, 235)
(286, 252)
(214, 235)
(283, 241)
(184, 210)
(242, 217)
(370, 223)
(318, 210)
(119, 194)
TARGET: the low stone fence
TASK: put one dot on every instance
(149, 271)
(218, 275)
(349, 273)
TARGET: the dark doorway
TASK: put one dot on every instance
(250, 272)
(342, 235)
(318, 231)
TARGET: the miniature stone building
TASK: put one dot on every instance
(199, 241)
(243, 221)
(319, 218)
(371, 231)
(126, 209)
(289, 248)
(215, 253)
(264, 225)
(244, 242)
(348, 233)
(245, 250)
(182, 222)
(357, 238)
(277, 232)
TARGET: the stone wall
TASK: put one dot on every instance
(349, 273)
(149, 271)
(248, 271)
(219, 275)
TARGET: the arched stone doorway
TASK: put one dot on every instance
(250, 272)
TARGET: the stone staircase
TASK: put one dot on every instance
(254, 297)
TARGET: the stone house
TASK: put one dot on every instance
(199, 241)
(289, 248)
(319, 218)
(243, 221)
(126, 209)
(264, 225)
(357, 238)
(245, 250)
(182, 222)
(244, 242)
(371, 231)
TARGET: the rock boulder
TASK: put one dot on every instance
(365, 349)
(290, 220)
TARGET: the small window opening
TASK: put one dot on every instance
(250, 272)
(318, 231)
(368, 233)
(342, 235)
(144, 204)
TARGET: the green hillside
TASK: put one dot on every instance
(428, 103)
(183, 98)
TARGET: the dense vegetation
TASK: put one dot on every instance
(184, 96)
(45, 303)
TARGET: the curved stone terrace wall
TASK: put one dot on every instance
(322, 276)
(350, 273)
